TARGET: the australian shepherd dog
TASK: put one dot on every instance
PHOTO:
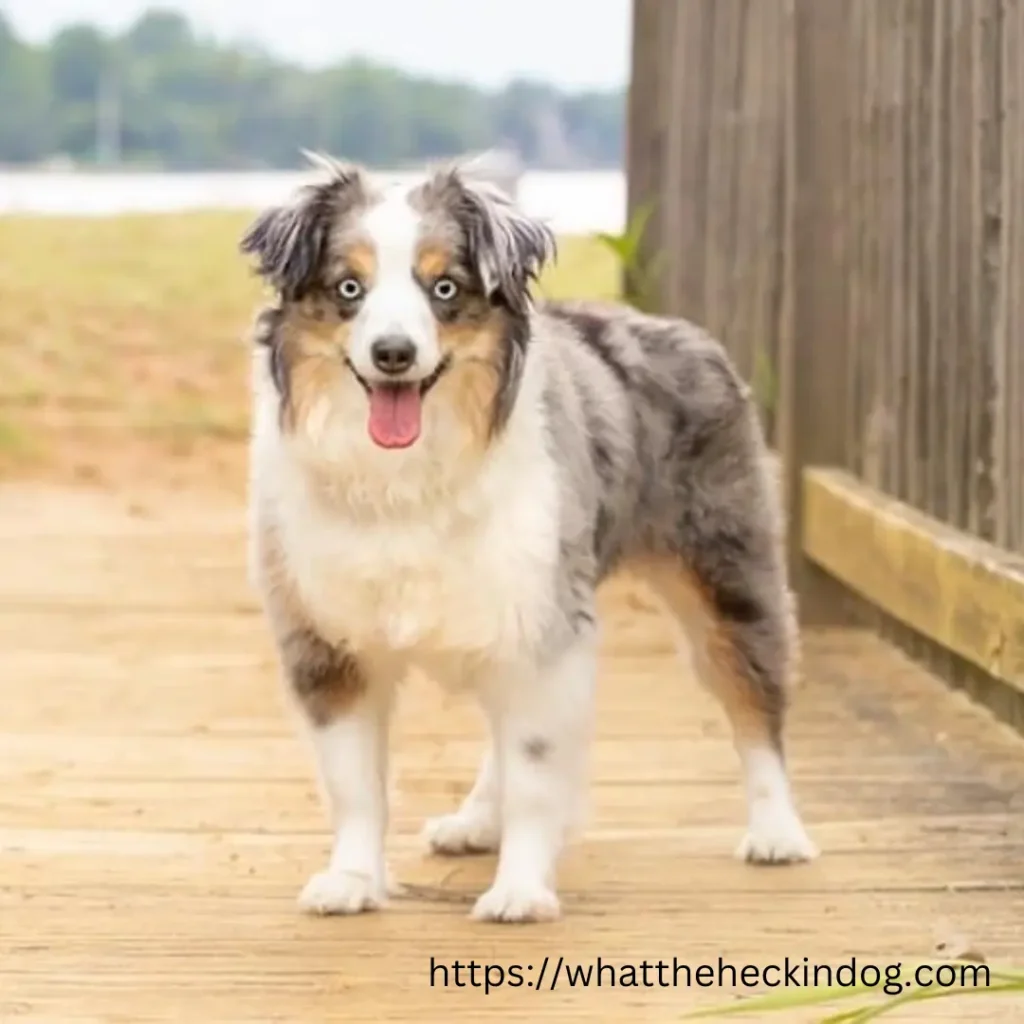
(443, 471)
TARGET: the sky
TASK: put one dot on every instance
(575, 44)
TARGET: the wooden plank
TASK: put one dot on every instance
(678, 164)
(913, 285)
(883, 219)
(1000, 241)
(812, 391)
(692, 60)
(759, 223)
(958, 591)
(1013, 62)
(645, 129)
(899, 309)
(988, 391)
(852, 224)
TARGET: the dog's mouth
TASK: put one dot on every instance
(395, 417)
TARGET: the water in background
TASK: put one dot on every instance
(572, 202)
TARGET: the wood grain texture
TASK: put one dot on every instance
(158, 813)
(957, 590)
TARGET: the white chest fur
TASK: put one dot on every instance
(442, 586)
(428, 586)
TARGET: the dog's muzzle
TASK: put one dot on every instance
(395, 408)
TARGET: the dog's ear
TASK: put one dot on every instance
(507, 248)
(290, 241)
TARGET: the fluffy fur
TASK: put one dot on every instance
(557, 443)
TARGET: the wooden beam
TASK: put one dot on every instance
(812, 388)
(961, 592)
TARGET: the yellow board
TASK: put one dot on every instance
(959, 591)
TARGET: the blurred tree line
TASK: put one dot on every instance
(160, 96)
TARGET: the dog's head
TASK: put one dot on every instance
(420, 295)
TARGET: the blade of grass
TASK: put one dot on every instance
(869, 1013)
(844, 1017)
(1008, 980)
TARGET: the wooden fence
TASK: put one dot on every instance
(836, 189)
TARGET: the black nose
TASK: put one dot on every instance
(394, 353)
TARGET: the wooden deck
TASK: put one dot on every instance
(158, 815)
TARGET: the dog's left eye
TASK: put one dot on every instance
(445, 289)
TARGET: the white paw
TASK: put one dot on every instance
(776, 839)
(517, 903)
(341, 892)
(462, 832)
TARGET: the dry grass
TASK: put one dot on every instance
(122, 344)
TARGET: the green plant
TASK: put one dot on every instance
(1000, 982)
(640, 273)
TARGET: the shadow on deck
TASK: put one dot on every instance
(158, 816)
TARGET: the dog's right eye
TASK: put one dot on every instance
(350, 289)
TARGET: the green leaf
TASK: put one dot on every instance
(618, 244)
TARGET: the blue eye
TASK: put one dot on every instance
(350, 289)
(445, 289)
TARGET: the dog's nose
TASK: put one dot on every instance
(394, 353)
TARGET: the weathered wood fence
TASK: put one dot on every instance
(836, 189)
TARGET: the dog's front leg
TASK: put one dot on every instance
(541, 727)
(347, 711)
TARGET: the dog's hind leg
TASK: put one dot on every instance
(476, 826)
(737, 620)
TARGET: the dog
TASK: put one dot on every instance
(444, 469)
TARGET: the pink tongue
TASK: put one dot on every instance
(395, 415)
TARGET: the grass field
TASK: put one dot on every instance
(122, 344)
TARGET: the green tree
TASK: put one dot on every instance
(185, 102)
(78, 56)
(25, 128)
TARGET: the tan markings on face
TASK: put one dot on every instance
(432, 261)
(312, 341)
(472, 383)
(361, 259)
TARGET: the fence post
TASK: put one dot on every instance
(812, 363)
(645, 133)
